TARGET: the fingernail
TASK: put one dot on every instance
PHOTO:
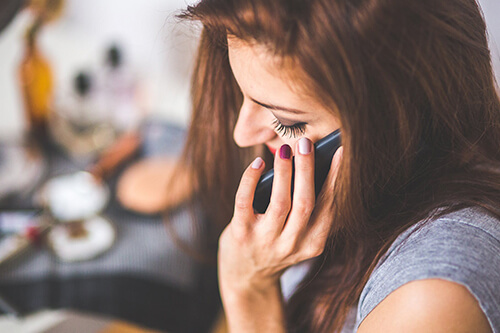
(257, 163)
(285, 152)
(304, 146)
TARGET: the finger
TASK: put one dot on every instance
(334, 169)
(243, 204)
(279, 205)
(321, 221)
(304, 193)
(325, 197)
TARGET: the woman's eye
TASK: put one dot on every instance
(291, 131)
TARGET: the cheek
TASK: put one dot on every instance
(328, 126)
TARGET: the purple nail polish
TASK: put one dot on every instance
(285, 152)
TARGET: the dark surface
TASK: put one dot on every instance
(144, 279)
(142, 301)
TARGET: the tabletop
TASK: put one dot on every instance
(145, 278)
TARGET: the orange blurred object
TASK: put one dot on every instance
(36, 84)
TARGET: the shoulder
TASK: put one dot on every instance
(431, 305)
(459, 250)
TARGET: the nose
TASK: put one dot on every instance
(253, 126)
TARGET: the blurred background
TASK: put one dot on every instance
(94, 101)
(156, 47)
(94, 104)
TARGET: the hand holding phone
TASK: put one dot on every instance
(324, 151)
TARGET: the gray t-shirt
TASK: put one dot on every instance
(463, 247)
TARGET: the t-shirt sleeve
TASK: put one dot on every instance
(464, 248)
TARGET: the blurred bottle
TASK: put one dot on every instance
(36, 81)
(85, 108)
(118, 86)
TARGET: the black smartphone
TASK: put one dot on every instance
(324, 151)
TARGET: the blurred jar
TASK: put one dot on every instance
(80, 122)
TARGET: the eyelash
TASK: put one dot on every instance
(290, 131)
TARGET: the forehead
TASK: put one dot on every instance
(270, 81)
(258, 56)
(264, 76)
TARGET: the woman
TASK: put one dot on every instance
(405, 235)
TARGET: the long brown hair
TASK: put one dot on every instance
(413, 87)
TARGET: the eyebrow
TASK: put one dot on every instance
(276, 107)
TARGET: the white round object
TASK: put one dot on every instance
(99, 237)
(76, 196)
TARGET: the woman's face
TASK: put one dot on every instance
(274, 112)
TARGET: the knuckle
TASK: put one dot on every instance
(241, 202)
(304, 207)
(315, 250)
(280, 207)
(241, 236)
(316, 253)
(281, 203)
(286, 250)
